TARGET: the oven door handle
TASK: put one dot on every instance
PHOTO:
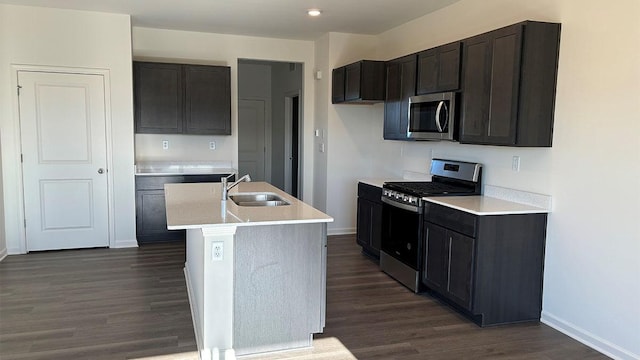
(414, 209)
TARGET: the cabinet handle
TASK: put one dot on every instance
(449, 266)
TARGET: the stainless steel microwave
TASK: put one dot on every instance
(432, 117)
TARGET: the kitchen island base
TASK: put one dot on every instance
(256, 289)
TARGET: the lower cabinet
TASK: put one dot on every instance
(151, 212)
(490, 267)
(449, 267)
(369, 231)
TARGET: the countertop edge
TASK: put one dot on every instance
(257, 223)
(525, 209)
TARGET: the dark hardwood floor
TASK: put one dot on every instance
(132, 304)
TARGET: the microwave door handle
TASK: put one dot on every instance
(437, 119)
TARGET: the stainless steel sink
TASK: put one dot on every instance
(258, 199)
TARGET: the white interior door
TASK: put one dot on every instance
(62, 126)
(251, 139)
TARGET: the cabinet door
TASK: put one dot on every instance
(376, 228)
(491, 72)
(460, 268)
(207, 100)
(151, 218)
(436, 258)
(449, 67)
(158, 98)
(439, 69)
(401, 85)
(352, 81)
(476, 72)
(363, 231)
(427, 72)
(504, 89)
(369, 230)
(337, 85)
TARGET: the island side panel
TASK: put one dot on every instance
(194, 276)
(279, 286)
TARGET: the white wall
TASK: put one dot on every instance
(3, 239)
(184, 46)
(347, 130)
(592, 272)
(66, 38)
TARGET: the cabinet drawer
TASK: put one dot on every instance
(156, 182)
(453, 219)
(369, 192)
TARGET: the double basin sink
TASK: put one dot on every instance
(258, 199)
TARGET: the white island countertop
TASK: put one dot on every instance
(198, 205)
(485, 205)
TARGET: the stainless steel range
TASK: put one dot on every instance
(402, 215)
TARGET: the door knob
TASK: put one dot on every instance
(100, 171)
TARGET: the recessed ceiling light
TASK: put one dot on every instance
(314, 12)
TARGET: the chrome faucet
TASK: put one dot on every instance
(226, 188)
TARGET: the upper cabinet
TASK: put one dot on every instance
(401, 84)
(182, 99)
(360, 82)
(508, 85)
(439, 69)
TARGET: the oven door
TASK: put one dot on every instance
(401, 234)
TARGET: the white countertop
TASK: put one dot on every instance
(164, 168)
(199, 205)
(485, 205)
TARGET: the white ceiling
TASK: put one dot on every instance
(268, 18)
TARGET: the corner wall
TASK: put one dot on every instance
(75, 39)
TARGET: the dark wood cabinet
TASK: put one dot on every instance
(360, 82)
(337, 85)
(369, 222)
(151, 213)
(400, 86)
(489, 267)
(207, 100)
(182, 99)
(508, 85)
(159, 96)
(439, 69)
(448, 264)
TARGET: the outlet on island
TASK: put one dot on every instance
(165, 144)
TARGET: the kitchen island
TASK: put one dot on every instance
(256, 275)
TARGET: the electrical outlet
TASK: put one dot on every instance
(212, 145)
(165, 144)
(217, 251)
(515, 163)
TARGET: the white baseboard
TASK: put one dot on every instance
(591, 340)
(3, 254)
(125, 244)
(343, 231)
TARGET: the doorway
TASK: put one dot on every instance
(277, 85)
(292, 143)
(64, 159)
